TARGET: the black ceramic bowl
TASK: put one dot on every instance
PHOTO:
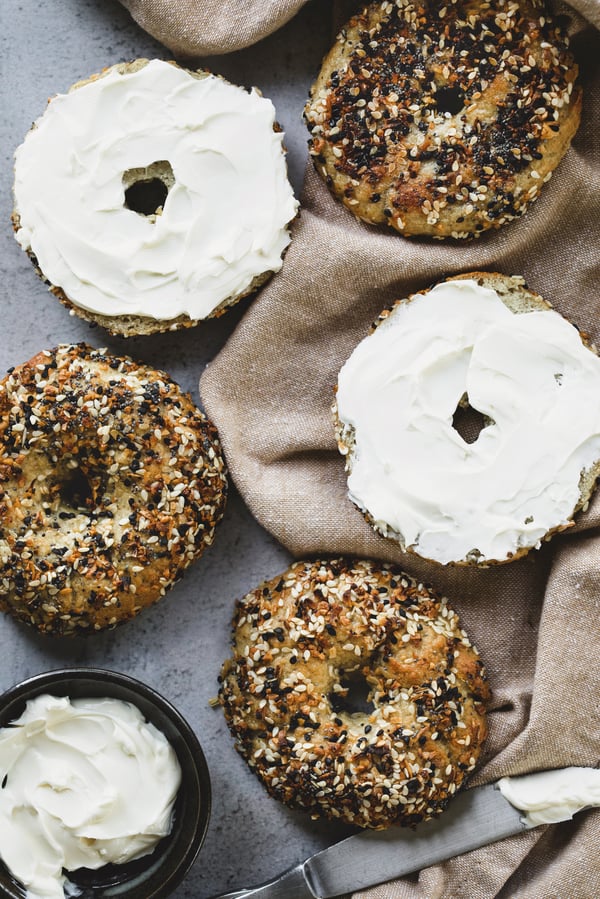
(156, 875)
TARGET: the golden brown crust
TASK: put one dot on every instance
(300, 639)
(444, 119)
(111, 483)
(516, 295)
(137, 325)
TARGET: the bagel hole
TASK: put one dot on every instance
(469, 422)
(76, 491)
(146, 189)
(356, 699)
(449, 99)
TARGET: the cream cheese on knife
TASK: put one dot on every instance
(551, 796)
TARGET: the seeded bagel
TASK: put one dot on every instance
(306, 644)
(444, 119)
(111, 483)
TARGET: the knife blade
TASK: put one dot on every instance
(474, 818)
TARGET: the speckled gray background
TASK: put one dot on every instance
(177, 646)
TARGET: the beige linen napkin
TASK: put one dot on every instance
(205, 27)
(536, 622)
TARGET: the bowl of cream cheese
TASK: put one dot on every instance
(104, 789)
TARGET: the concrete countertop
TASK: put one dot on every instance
(178, 645)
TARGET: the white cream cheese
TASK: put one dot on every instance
(551, 796)
(223, 222)
(529, 373)
(84, 783)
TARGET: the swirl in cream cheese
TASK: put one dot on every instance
(224, 220)
(84, 783)
(532, 378)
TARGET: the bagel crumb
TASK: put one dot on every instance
(287, 693)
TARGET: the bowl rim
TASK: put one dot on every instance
(40, 683)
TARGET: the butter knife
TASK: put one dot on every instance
(473, 819)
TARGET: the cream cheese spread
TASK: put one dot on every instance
(532, 378)
(551, 796)
(84, 783)
(224, 219)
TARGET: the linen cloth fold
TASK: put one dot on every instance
(206, 27)
(536, 622)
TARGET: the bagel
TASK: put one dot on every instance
(304, 643)
(444, 119)
(469, 420)
(136, 196)
(111, 484)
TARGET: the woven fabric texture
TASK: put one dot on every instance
(204, 27)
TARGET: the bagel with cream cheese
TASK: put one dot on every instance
(150, 197)
(469, 420)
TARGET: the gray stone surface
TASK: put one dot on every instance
(178, 645)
